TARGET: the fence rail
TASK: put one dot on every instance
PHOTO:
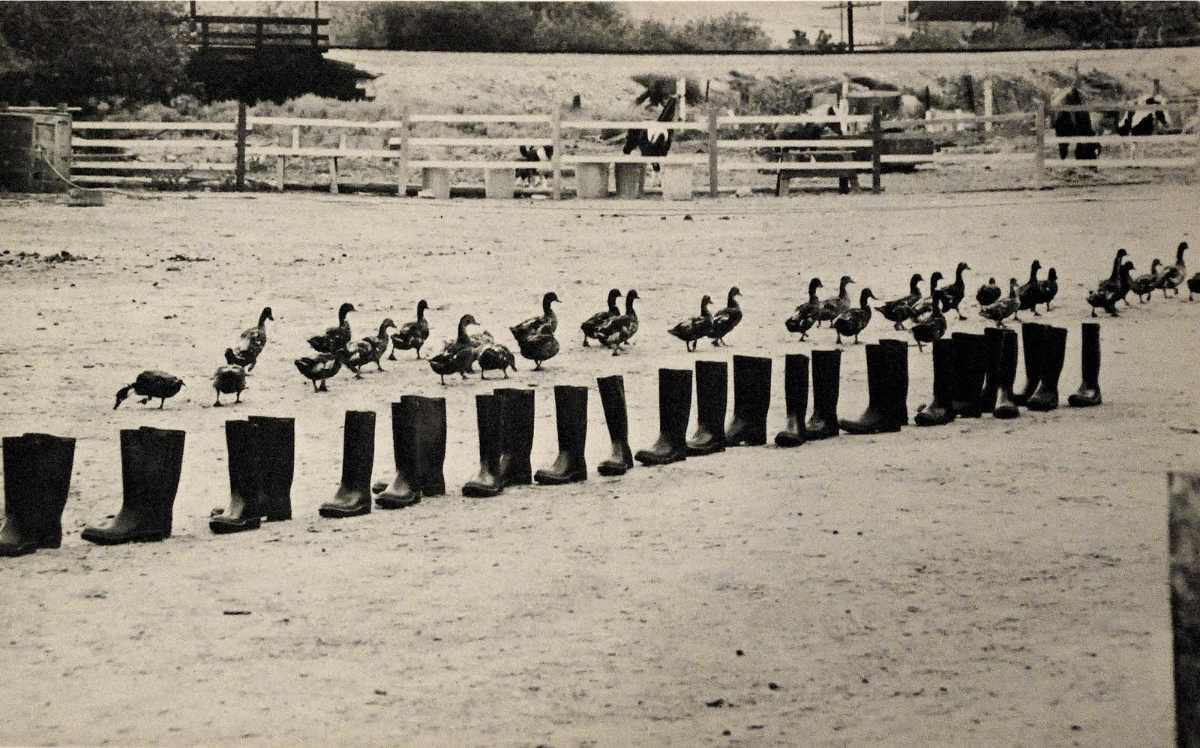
(173, 145)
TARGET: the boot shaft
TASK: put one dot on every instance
(406, 442)
(1054, 354)
(163, 450)
(243, 445)
(487, 420)
(795, 384)
(674, 403)
(826, 379)
(751, 387)
(431, 424)
(276, 463)
(993, 340)
(896, 384)
(712, 397)
(943, 372)
(358, 450)
(570, 417)
(1090, 340)
(516, 413)
(612, 398)
(970, 363)
(1033, 336)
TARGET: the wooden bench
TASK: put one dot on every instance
(847, 177)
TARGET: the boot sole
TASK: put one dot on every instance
(339, 513)
(390, 503)
(479, 492)
(558, 480)
(702, 451)
(12, 551)
(611, 471)
(231, 526)
(150, 537)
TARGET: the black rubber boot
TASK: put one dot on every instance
(674, 409)
(795, 396)
(276, 466)
(751, 401)
(826, 378)
(151, 461)
(353, 497)
(570, 418)
(970, 363)
(877, 418)
(897, 389)
(516, 435)
(405, 488)
(712, 398)
(941, 410)
(1006, 408)
(612, 397)
(37, 479)
(1033, 336)
(993, 341)
(488, 483)
(1088, 393)
(431, 428)
(1054, 350)
(243, 447)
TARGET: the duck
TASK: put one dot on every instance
(618, 330)
(926, 306)
(334, 338)
(594, 322)
(411, 335)
(457, 355)
(151, 384)
(1106, 298)
(229, 380)
(931, 328)
(989, 293)
(692, 329)
(897, 311)
(1002, 309)
(806, 314)
(546, 323)
(1171, 276)
(952, 295)
(539, 347)
(496, 357)
(854, 321)
(1144, 284)
(831, 308)
(726, 319)
(1027, 293)
(251, 343)
(1193, 286)
(1113, 281)
(321, 367)
(369, 350)
(1048, 288)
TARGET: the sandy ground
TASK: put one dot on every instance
(980, 583)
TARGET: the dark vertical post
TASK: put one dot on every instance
(556, 157)
(1039, 139)
(240, 165)
(713, 185)
(1183, 545)
(850, 25)
(876, 150)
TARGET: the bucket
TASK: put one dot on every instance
(677, 181)
(631, 180)
(436, 182)
(591, 180)
(499, 184)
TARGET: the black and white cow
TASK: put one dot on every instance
(534, 154)
(1075, 124)
(1149, 117)
(653, 141)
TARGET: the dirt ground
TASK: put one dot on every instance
(979, 583)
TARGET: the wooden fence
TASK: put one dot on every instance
(224, 147)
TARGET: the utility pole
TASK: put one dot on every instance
(850, 25)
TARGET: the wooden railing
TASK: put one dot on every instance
(254, 32)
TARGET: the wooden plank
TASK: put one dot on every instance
(240, 151)
(825, 144)
(556, 158)
(622, 159)
(1117, 139)
(616, 124)
(480, 164)
(953, 158)
(988, 103)
(320, 122)
(714, 149)
(1183, 547)
(268, 20)
(1039, 161)
(830, 166)
(528, 119)
(302, 39)
(151, 166)
(107, 179)
(957, 119)
(333, 175)
(153, 145)
(1135, 163)
(190, 126)
(317, 152)
(876, 149)
(402, 164)
(788, 119)
(1108, 106)
(475, 142)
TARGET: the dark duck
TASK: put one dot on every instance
(1002, 309)
(250, 343)
(692, 329)
(831, 308)
(229, 380)
(898, 311)
(321, 367)
(805, 315)
(411, 335)
(1028, 293)
(593, 323)
(618, 330)
(151, 384)
(988, 293)
(458, 355)
(1106, 297)
(369, 350)
(334, 338)
(853, 321)
(952, 295)
(726, 319)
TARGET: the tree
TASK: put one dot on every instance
(77, 51)
(1113, 23)
(799, 40)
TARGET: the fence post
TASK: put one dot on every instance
(876, 151)
(681, 92)
(1039, 158)
(556, 159)
(281, 165)
(402, 167)
(713, 182)
(988, 104)
(1197, 142)
(239, 167)
(1183, 545)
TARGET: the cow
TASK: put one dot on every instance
(653, 141)
(1150, 116)
(534, 154)
(1075, 124)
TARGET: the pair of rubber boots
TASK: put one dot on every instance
(151, 461)
(1045, 349)
(505, 421)
(887, 390)
(262, 461)
(972, 374)
(419, 448)
(37, 478)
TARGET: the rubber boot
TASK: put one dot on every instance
(1033, 336)
(431, 427)
(970, 363)
(1054, 350)
(1006, 407)
(353, 497)
(876, 419)
(674, 409)
(570, 418)
(941, 410)
(712, 398)
(751, 401)
(612, 397)
(795, 396)
(151, 462)
(826, 378)
(1088, 393)
(405, 488)
(244, 513)
(993, 341)
(276, 466)
(488, 483)
(37, 479)
(516, 408)
(896, 402)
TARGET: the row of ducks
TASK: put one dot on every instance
(1120, 281)
(709, 325)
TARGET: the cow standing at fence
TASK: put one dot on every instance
(1144, 120)
(654, 141)
(1075, 124)
(534, 154)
